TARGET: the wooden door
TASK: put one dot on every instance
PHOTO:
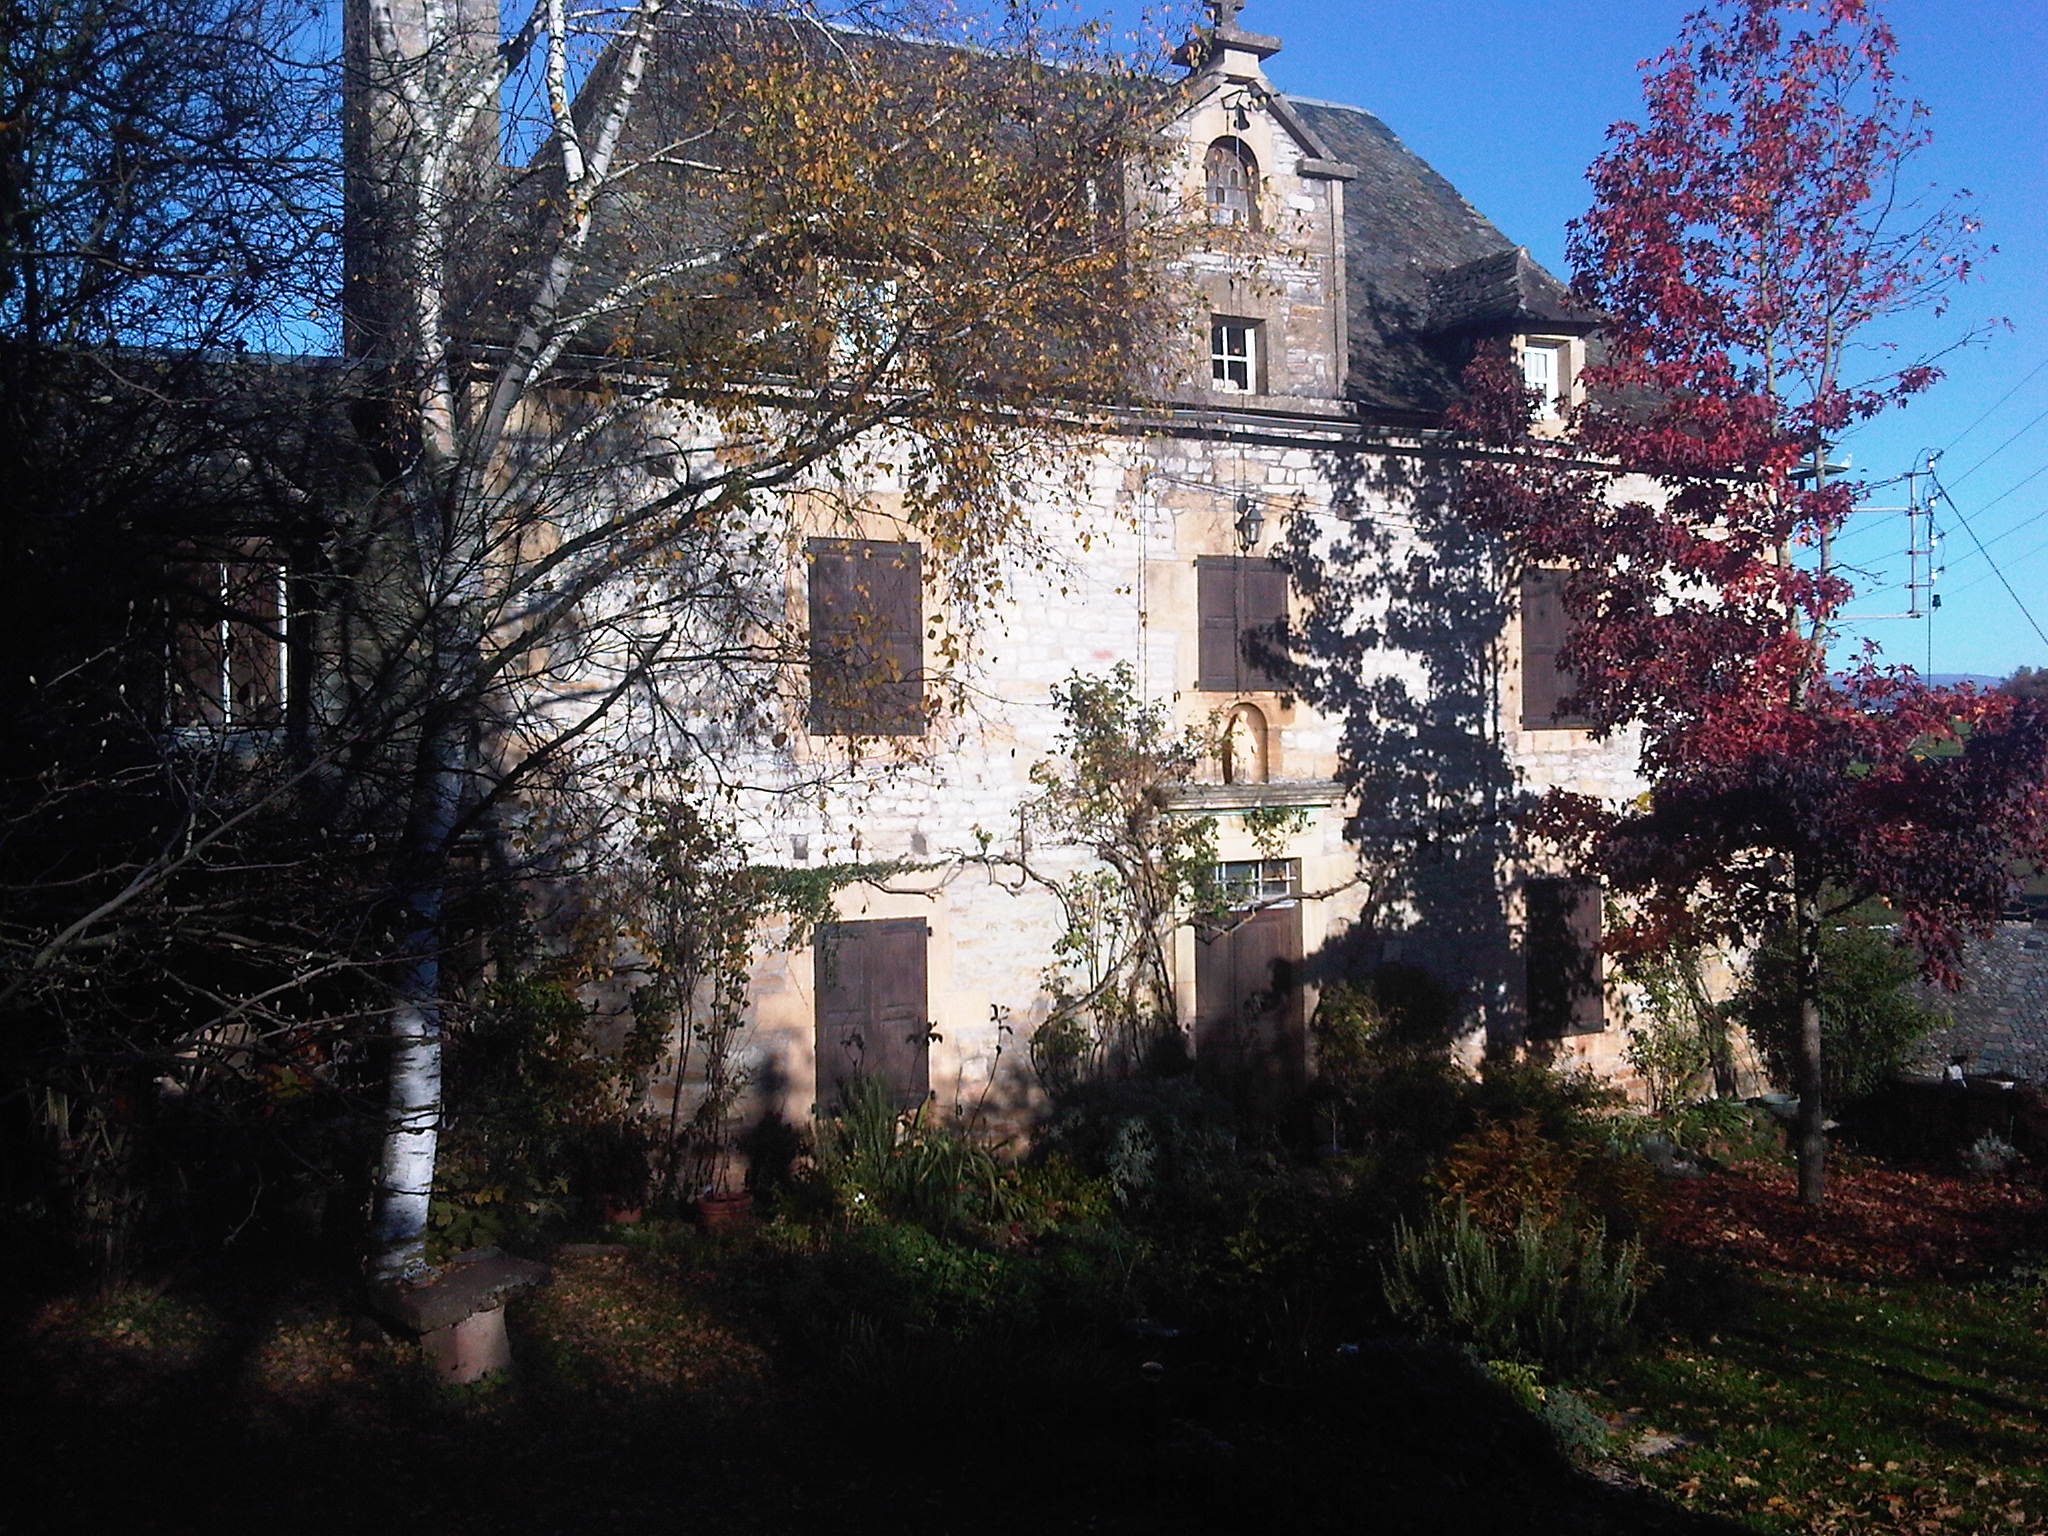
(1250, 1030)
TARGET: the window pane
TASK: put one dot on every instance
(1232, 348)
(1248, 882)
(227, 642)
(1540, 370)
(1231, 178)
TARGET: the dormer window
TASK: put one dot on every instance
(1546, 369)
(1231, 176)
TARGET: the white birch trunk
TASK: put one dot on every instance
(412, 1110)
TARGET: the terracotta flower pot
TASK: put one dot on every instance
(734, 1208)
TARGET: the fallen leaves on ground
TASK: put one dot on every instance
(1877, 1223)
(619, 1324)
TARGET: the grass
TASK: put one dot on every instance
(686, 1384)
(1854, 1406)
(1881, 1367)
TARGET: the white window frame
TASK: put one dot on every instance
(1546, 367)
(1233, 355)
(1248, 883)
(231, 630)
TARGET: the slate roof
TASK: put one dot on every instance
(1424, 271)
(1505, 289)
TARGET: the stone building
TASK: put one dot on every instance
(1270, 546)
(1295, 481)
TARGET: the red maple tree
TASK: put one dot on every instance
(1745, 238)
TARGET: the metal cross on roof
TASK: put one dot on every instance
(1224, 13)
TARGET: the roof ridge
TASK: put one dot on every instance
(1317, 101)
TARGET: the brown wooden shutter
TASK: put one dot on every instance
(896, 591)
(198, 656)
(1216, 648)
(1546, 624)
(833, 614)
(1236, 599)
(1264, 624)
(1561, 941)
(255, 644)
(872, 1014)
(867, 637)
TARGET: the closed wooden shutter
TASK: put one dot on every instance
(198, 646)
(872, 1017)
(867, 637)
(255, 643)
(1242, 612)
(1546, 625)
(1561, 940)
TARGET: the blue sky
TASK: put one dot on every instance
(1511, 99)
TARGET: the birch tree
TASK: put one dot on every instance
(729, 261)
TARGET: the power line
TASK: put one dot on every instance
(1942, 491)
(1999, 538)
(2010, 529)
(2019, 559)
(2036, 474)
(1985, 415)
(1994, 453)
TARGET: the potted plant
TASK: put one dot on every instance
(616, 1171)
(721, 1201)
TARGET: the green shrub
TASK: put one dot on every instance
(1383, 1072)
(876, 1162)
(540, 1122)
(1730, 1130)
(1508, 1171)
(1680, 1037)
(892, 1281)
(1579, 1432)
(1053, 1193)
(1565, 1106)
(1551, 1293)
(1523, 1381)
(1869, 1019)
(1161, 1143)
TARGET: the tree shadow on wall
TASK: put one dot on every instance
(1403, 609)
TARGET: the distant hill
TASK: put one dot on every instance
(1942, 679)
